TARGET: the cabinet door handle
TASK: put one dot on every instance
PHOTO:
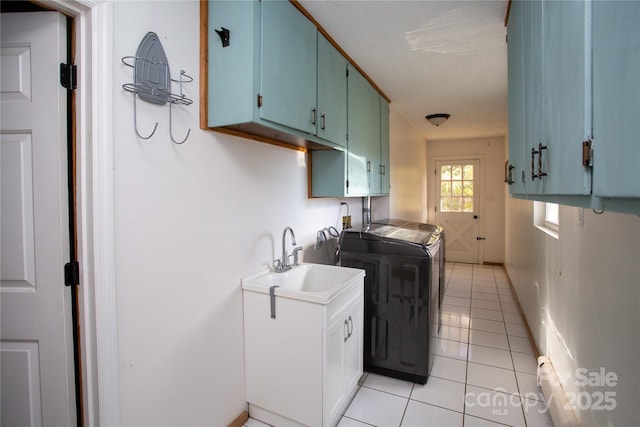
(368, 165)
(313, 116)
(323, 121)
(540, 148)
(348, 323)
(508, 174)
(540, 173)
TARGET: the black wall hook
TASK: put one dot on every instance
(224, 36)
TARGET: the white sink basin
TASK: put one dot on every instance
(311, 282)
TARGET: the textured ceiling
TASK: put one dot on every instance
(428, 57)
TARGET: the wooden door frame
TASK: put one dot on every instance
(95, 223)
(432, 191)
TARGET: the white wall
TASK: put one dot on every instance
(191, 220)
(408, 151)
(581, 297)
(491, 151)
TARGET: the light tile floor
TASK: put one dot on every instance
(484, 371)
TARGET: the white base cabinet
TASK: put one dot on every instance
(303, 367)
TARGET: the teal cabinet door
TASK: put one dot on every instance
(533, 89)
(329, 173)
(288, 67)
(566, 98)
(556, 97)
(515, 173)
(331, 123)
(574, 79)
(359, 124)
(374, 159)
(385, 169)
(232, 87)
(616, 99)
(363, 168)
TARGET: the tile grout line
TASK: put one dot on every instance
(524, 418)
(466, 373)
(406, 405)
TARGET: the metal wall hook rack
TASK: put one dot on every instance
(152, 82)
(135, 121)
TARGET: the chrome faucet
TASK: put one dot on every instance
(282, 265)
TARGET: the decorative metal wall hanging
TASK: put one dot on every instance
(152, 81)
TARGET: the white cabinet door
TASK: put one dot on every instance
(343, 360)
(334, 370)
(353, 347)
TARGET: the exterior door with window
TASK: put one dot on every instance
(457, 208)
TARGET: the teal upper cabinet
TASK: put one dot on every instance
(374, 161)
(515, 173)
(384, 169)
(616, 99)
(331, 115)
(362, 169)
(567, 99)
(233, 70)
(277, 79)
(280, 80)
(379, 149)
(554, 42)
(288, 67)
(360, 122)
(574, 100)
(533, 88)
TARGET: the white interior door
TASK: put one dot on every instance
(37, 376)
(458, 197)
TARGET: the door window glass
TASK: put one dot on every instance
(456, 188)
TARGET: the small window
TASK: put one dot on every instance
(551, 216)
(546, 218)
(456, 188)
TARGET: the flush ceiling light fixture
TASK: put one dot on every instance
(437, 119)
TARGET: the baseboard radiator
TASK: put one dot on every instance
(555, 396)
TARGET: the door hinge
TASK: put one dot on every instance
(347, 184)
(587, 153)
(68, 76)
(71, 273)
(259, 100)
